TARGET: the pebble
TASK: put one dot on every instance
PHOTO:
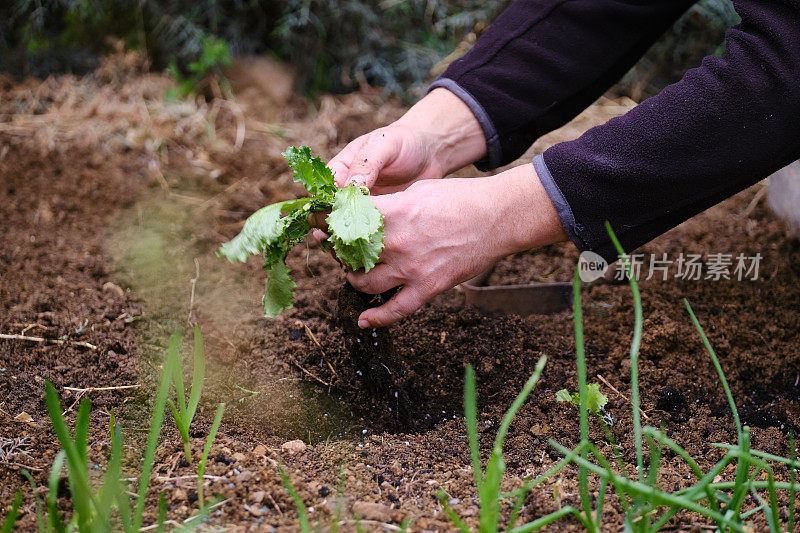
(293, 447)
(244, 477)
(373, 511)
(260, 450)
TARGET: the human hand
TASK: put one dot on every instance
(442, 232)
(387, 160)
(435, 137)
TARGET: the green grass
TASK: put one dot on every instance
(646, 507)
(183, 413)
(302, 513)
(201, 467)
(107, 505)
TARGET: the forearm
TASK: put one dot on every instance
(723, 127)
(525, 217)
(543, 61)
(454, 135)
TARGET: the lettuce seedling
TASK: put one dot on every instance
(355, 226)
(597, 400)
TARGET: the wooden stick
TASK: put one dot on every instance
(312, 376)
(610, 386)
(93, 389)
(20, 465)
(193, 282)
(49, 341)
(314, 339)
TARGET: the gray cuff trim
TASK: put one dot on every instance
(559, 201)
(493, 148)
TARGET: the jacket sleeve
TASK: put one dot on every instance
(726, 125)
(543, 61)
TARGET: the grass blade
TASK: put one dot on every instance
(180, 389)
(82, 430)
(583, 408)
(636, 342)
(547, 520)
(650, 494)
(717, 366)
(471, 418)
(111, 483)
(40, 523)
(11, 518)
(155, 427)
(180, 423)
(519, 501)
(198, 374)
(495, 466)
(53, 514)
(792, 478)
(302, 515)
(201, 468)
(82, 496)
(518, 402)
(444, 500)
(162, 514)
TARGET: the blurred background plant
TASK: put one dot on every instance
(333, 45)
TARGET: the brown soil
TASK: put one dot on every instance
(57, 209)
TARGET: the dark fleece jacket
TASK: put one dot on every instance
(726, 125)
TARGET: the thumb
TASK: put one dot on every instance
(402, 304)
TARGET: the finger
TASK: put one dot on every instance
(378, 151)
(340, 165)
(317, 235)
(402, 304)
(380, 279)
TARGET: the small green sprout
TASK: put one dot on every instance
(184, 412)
(597, 400)
(105, 505)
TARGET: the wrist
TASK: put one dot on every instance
(524, 214)
(452, 133)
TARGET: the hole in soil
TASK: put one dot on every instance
(157, 247)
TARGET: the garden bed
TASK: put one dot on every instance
(77, 225)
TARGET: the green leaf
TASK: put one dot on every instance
(263, 229)
(198, 374)
(362, 253)
(315, 176)
(353, 216)
(597, 399)
(156, 420)
(355, 226)
(563, 396)
(297, 227)
(280, 290)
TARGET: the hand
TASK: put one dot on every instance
(435, 137)
(387, 160)
(442, 232)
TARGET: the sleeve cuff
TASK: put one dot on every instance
(559, 201)
(493, 148)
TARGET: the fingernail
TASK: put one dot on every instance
(363, 324)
